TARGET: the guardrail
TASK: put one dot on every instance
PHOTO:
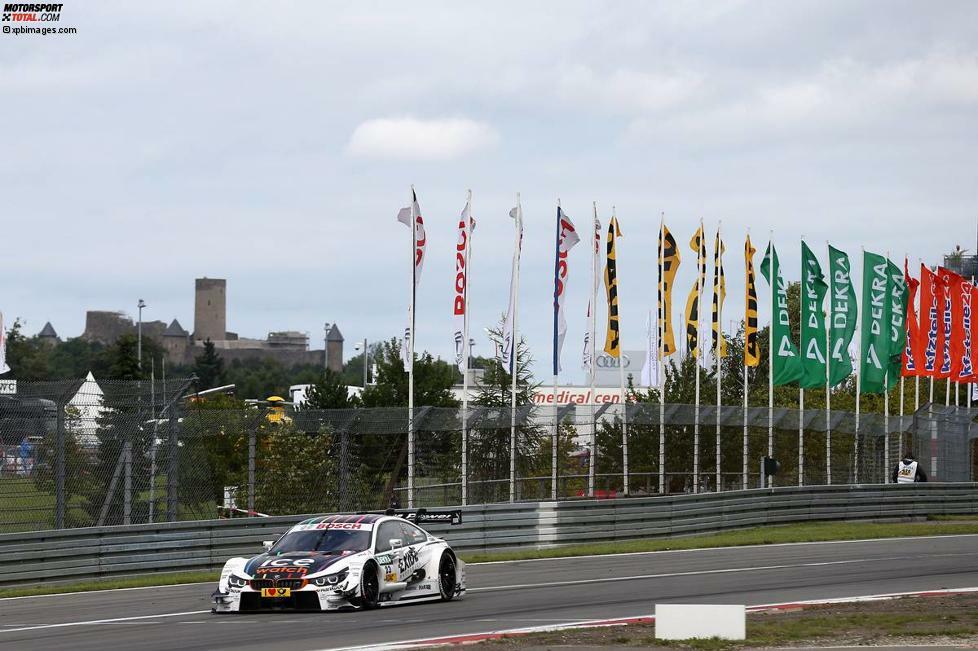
(75, 554)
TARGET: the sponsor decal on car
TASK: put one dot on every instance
(408, 560)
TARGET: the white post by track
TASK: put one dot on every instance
(514, 357)
(411, 230)
(465, 351)
(595, 265)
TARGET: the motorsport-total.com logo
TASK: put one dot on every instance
(31, 12)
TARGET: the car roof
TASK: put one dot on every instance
(361, 518)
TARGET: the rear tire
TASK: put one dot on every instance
(369, 587)
(447, 576)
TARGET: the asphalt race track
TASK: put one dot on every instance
(501, 596)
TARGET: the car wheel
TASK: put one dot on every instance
(369, 587)
(447, 576)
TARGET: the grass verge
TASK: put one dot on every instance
(789, 533)
(951, 619)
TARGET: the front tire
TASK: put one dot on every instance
(447, 576)
(369, 587)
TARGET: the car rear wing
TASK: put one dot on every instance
(424, 516)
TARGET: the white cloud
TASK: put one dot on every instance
(413, 139)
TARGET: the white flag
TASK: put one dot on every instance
(588, 356)
(650, 371)
(405, 215)
(567, 237)
(460, 304)
(3, 347)
(509, 343)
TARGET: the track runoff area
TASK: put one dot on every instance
(505, 597)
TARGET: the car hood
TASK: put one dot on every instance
(295, 565)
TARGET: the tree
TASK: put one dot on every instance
(433, 380)
(328, 392)
(209, 367)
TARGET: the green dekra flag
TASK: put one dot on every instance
(897, 322)
(843, 313)
(874, 335)
(813, 343)
(787, 367)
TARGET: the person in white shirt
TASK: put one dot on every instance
(908, 471)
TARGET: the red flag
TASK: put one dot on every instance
(974, 334)
(931, 331)
(911, 352)
(962, 315)
(951, 342)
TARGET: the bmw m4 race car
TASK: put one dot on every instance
(346, 561)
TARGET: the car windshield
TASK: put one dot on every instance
(325, 540)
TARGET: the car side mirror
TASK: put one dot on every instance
(395, 543)
(267, 544)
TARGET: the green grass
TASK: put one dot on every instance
(25, 504)
(808, 532)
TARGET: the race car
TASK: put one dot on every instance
(346, 561)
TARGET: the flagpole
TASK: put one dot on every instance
(662, 362)
(770, 358)
(621, 375)
(465, 350)
(801, 389)
(828, 375)
(859, 320)
(556, 433)
(886, 399)
(414, 291)
(696, 361)
(514, 349)
(592, 464)
(716, 273)
(746, 318)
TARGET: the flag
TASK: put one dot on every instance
(787, 364)
(897, 292)
(931, 332)
(461, 303)
(3, 347)
(911, 352)
(567, 237)
(509, 324)
(974, 333)
(874, 339)
(843, 313)
(698, 244)
(669, 260)
(650, 370)
(612, 341)
(752, 354)
(959, 291)
(813, 288)
(589, 334)
(405, 216)
(719, 295)
(948, 279)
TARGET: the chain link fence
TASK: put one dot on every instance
(81, 453)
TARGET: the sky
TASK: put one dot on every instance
(273, 144)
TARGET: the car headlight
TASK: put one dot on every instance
(237, 581)
(331, 579)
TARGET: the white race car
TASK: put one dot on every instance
(346, 561)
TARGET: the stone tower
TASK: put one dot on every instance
(210, 309)
(334, 349)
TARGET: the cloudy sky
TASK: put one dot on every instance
(272, 145)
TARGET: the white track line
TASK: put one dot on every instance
(101, 621)
(470, 638)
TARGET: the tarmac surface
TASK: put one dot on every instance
(501, 596)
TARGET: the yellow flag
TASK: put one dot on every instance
(669, 260)
(752, 355)
(719, 295)
(612, 343)
(698, 244)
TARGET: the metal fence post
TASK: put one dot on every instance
(344, 470)
(171, 475)
(252, 441)
(59, 468)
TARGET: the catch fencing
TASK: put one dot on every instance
(77, 554)
(87, 454)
